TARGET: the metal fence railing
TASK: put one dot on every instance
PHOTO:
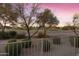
(39, 47)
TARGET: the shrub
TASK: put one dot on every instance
(7, 35)
(56, 40)
(20, 36)
(12, 48)
(41, 35)
(26, 43)
(74, 41)
(46, 46)
(12, 34)
(4, 35)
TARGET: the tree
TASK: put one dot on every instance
(76, 24)
(53, 21)
(46, 17)
(7, 15)
(26, 15)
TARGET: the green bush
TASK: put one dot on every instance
(20, 36)
(7, 35)
(46, 46)
(74, 41)
(4, 35)
(13, 49)
(26, 43)
(56, 40)
(12, 34)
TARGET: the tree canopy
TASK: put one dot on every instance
(47, 17)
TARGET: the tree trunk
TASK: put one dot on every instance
(44, 29)
(28, 28)
(28, 31)
(4, 27)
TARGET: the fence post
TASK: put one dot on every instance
(41, 47)
(75, 44)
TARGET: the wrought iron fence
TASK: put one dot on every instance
(39, 47)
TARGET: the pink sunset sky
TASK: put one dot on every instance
(63, 11)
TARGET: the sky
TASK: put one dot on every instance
(63, 11)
